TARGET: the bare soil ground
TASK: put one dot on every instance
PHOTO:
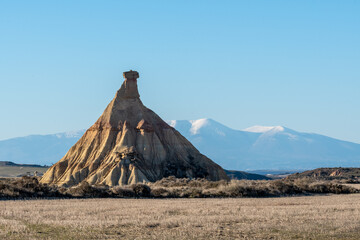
(15, 171)
(309, 217)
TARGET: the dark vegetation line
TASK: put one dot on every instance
(12, 164)
(171, 187)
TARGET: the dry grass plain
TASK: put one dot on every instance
(306, 217)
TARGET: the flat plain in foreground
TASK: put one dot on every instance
(306, 217)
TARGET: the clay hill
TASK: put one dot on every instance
(350, 174)
(128, 144)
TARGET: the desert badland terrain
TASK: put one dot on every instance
(155, 184)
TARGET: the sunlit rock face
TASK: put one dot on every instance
(128, 144)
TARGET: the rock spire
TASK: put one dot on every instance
(129, 143)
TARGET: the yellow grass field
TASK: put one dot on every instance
(309, 217)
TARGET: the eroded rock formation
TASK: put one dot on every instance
(129, 143)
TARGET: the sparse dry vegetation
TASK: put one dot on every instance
(221, 210)
(26, 187)
(171, 187)
(306, 217)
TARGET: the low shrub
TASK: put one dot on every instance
(84, 189)
(29, 187)
(120, 191)
(141, 190)
(26, 187)
(160, 192)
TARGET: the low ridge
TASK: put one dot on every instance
(129, 143)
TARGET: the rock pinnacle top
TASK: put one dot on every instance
(129, 88)
(131, 75)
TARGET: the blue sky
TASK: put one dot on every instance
(242, 63)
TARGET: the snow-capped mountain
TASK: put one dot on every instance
(257, 147)
(262, 147)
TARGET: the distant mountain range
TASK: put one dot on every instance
(257, 147)
(12, 164)
(260, 147)
(38, 149)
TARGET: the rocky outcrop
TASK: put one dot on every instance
(351, 175)
(129, 143)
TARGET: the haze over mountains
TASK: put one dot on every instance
(38, 149)
(256, 147)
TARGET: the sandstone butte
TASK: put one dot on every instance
(129, 144)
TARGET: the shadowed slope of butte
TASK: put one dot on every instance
(129, 143)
